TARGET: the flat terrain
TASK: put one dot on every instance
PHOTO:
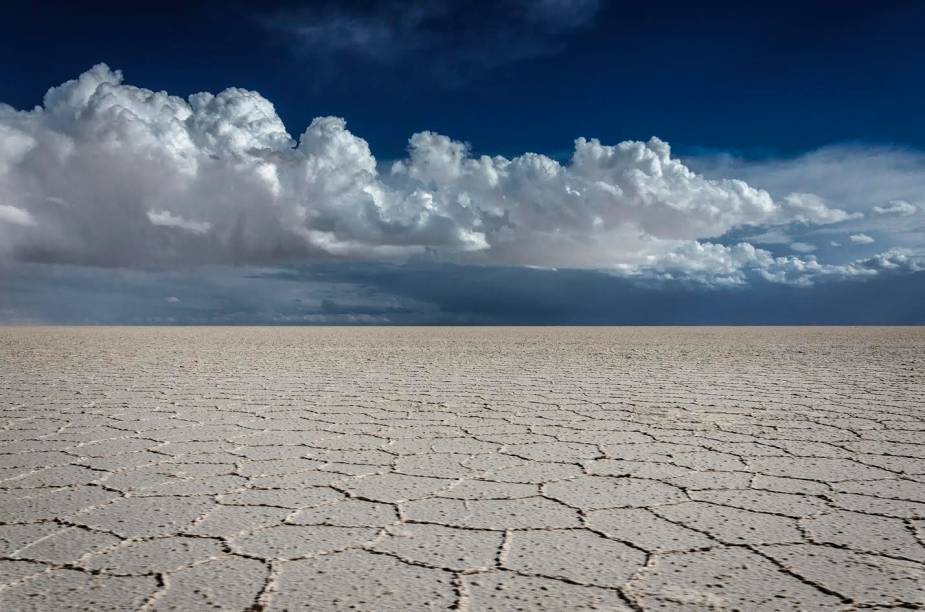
(469, 468)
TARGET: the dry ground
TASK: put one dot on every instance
(469, 468)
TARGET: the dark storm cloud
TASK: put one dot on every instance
(438, 294)
(41, 293)
(466, 294)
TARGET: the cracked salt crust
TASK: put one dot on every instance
(473, 469)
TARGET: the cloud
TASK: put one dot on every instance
(168, 219)
(438, 293)
(899, 208)
(802, 247)
(810, 208)
(738, 264)
(873, 186)
(851, 177)
(861, 239)
(718, 264)
(108, 174)
(15, 216)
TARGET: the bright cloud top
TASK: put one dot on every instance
(109, 174)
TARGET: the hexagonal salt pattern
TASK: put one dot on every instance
(470, 469)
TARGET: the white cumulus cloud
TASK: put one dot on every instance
(718, 264)
(899, 208)
(106, 173)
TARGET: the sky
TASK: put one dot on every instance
(449, 162)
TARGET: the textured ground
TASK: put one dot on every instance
(480, 469)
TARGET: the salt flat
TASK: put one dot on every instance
(468, 468)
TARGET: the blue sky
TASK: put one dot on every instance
(562, 161)
(762, 78)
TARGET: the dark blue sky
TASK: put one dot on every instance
(753, 77)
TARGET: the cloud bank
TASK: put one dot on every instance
(435, 293)
(108, 174)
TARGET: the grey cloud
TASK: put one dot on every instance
(436, 293)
